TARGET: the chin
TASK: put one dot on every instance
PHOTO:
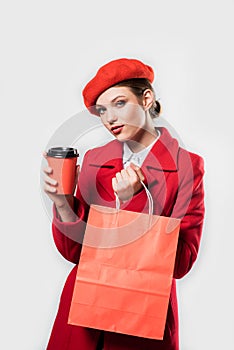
(122, 138)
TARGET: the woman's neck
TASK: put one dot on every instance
(144, 139)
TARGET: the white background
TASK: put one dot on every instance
(49, 50)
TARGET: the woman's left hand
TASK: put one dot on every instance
(127, 182)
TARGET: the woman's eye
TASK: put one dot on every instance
(101, 111)
(120, 103)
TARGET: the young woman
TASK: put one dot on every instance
(121, 95)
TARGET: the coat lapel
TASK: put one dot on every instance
(158, 167)
(161, 158)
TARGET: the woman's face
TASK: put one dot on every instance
(121, 113)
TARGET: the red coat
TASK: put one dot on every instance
(174, 177)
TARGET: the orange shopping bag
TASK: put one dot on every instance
(125, 272)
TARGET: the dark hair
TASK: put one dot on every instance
(137, 87)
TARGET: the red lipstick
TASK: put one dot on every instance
(116, 129)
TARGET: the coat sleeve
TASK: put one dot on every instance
(189, 207)
(68, 236)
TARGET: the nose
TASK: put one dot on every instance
(111, 116)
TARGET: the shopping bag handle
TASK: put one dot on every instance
(149, 196)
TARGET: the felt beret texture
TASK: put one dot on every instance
(112, 73)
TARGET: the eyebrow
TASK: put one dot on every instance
(112, 100)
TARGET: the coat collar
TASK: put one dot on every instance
(163, 155)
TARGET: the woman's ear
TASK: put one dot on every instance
(148, 99)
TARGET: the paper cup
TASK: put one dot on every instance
(63, 160)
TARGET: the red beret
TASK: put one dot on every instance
(113, 73)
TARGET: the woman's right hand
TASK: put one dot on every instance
(63, 203)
